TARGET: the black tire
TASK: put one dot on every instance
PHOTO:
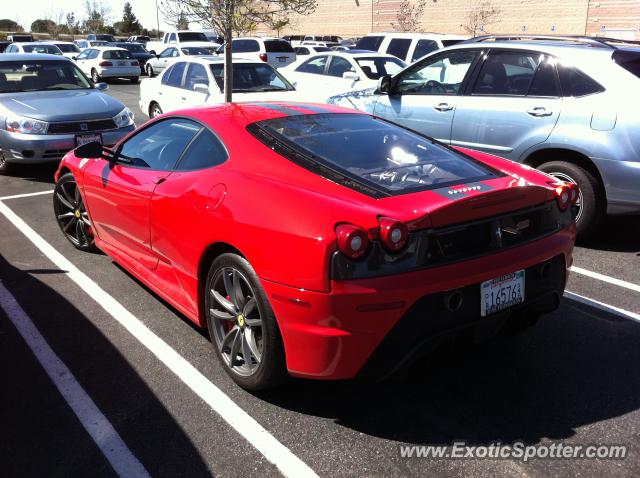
(71, 215)
(150, 72)
(266, 370)
(5, 166)
(134, 79)
(154, 110)
(591, 199)
(94, 76)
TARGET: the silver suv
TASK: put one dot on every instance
(567, 106)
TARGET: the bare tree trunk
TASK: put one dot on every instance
(228, 62)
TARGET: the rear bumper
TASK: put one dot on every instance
(361, 327)
(29, 148)
(119, 72)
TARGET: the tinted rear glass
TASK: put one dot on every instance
(277, 46)
(68, 47)
(450, 42)
(374, 152)
(192, 36)
(576, 83)
(51, 49)
(116, 55)
(629, 60)
(244, 46)
(369, 43)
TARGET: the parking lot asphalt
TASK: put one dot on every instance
(573, 378)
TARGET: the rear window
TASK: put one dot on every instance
(450, 42)
(277, 46)
(369, 43)
(244, 46)
(399, 47)
(116, 55)
(192, 36)
(382, 158)
(195, 50)
(629, 60)
(68, 47)
(39, 48)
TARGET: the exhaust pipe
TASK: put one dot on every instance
(452, 300)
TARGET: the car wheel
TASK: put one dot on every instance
(590, 204)
(71, 214)
(134, 80)
(94, 76)
(150, 73)
(5, 166)
(154, 110)
(242, 325)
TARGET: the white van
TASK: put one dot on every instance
(409, 47)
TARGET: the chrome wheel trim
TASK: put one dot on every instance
(236, 321)
(568, 179)
(72, 215)
(156, 110)
(94, 76)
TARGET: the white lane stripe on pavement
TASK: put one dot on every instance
(27, 195)
(605, 278)
(612, 309)
(124, 463)
(274, 451)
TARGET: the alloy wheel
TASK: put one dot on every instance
(156, 110)
(72, 215)
(236, 321)
(94, 76)
(568, 179)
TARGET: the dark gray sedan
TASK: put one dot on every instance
(48, 107)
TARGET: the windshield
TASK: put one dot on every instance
(68, 47)
(16, 76)
(98, 43)
(377, 67)
(376, 153)
(107, 38)
(249, 77)
(195, 50)
(35, 48)
(192, 36)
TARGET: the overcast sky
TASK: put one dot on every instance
(25, 13)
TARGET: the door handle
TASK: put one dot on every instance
(183, 98)
(539, 111)
(443, 107)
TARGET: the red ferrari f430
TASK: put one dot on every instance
(317, 241)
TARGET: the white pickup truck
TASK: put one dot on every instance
(181, 38)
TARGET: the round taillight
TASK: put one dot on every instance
(263, 56)
(353, 241)
(393, 233)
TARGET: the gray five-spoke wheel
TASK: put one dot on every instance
(236, 321)
(72, 215)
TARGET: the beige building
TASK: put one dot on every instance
(347, 18)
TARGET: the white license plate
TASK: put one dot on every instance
(501, 293)
(88, 138)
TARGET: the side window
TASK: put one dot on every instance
(172, 38)
(159, 146)
(205, 151)
(175, 53)
(166, 75)
(245, 46)
(399, 47)
(576, 83)
(423, 47)
(195, 74)
(339, 66)
(441, 75)
(174, 77)
(507, 73)
(302, 51)
(314, 65)
(544, 81)
(94, 54)
(166, 53)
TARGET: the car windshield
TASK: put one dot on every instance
(377, 67)
(36, 48)
(195, 50)
(68, 47)
(374, 152)
(106, 38)
(98, 43)
(116, 55)
(252, 77)
(18, 76)
(192, 36)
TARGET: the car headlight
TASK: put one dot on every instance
(124, 118)
(22, 124)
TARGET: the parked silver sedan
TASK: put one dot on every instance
(48, 107)
(169, 55)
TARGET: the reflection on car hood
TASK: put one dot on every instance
(70, 105)
(363, 100)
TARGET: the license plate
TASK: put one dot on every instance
(501, 293)
(88, 138)
(282, 59)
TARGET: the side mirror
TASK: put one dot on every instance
(201, 88)
(89, 150)
(102, 86)
(350, 75)
(384, 85)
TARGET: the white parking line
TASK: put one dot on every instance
(612, 309)
(90, 416)
(274, 451)
(27, 195)
(605, 278)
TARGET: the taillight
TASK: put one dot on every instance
(105, 63)
(134, 63)
(263, 56)
(393, 233)
(566, 194)
(353, 241)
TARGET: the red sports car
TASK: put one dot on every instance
(318, 241)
